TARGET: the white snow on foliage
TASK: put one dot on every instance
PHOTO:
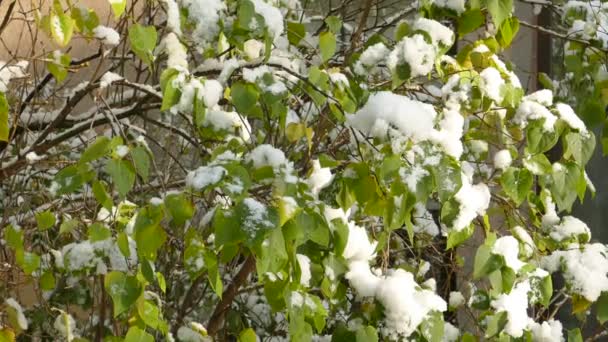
(515, 304)
(502, 159)
(228, 121)
(438, 32)
(82, 255)
(107, 35)
(570, 227)
(423, 220)
(267, 155)
(108, 78)
(205, 176)
(272, 17)
(385, 110)
(416, 52)
(456, 299)
(177, 56)
(206, 17)
(21, 320)
(508, 247)
(405, 303)
(491, 83)
(455, 5)
(543, 96)
(585, 268)
(548, 331)
(371, 57)
(567, 114)
(320, 177)
(473, 199)
(304, 263)
(65, 325)
(532, 110)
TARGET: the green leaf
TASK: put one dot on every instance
(122, 174)
(508, 31)
(98, 232)
(4, 124)
(539, 141)
(47, 281)
(171, 95)
(248, 335)
(602, 308)
(579, 147)
(180, 208)
(58, 65)
(272, 259)
(367, 334)
(327, 45)
(546, 291)
(499, 10)
(62, 28)
(123, 289)
(244, 97)
(29, 262)
(149, 313)
(86, 20)
(334, 24)
(45, 220)
(141, 160)
(538, 164)
(469, 21)
(486, 262)
(456, 238)
(517, 183)
(101, 195)
(96, 150)
(118, 7)
(432, 327)
(568, 180)
(574, 335)
(295, 32)
(149, 235)
(13, 237)
(496, 323)
(143, 41)
(135, 334)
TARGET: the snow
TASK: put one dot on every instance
(21, 320)
(473, 199)
(370, 58)
(531, 110)
(257, 217)
(206, 16)
(32, 157)
(253, 48)
(122, 150)
(211, 93)
(186, 334)
(502, 159)
(108, 78)
(522, 235)
(508, 247)
(358, 247)
(422, 219)
(491, 83)
(439, 33)
(450, 332)
(405, 305)
(567, 114)
(543, 97)
(550, 217)
(228, 121)
(85, 254)
(585, 269)
(304, 263)
(570, 227)
(272, 17)
(205, 176)
(416, 52)
(455, 5)
(456, 299)
(450, 133)
(385, 110)
(177, 56)
(319, 178)
(65, 324)
(173, 17)
(8, 72)
(515, 304)
(107, 35)
(548, 331)
(57, 28)
(412, 176)
(267, 155)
